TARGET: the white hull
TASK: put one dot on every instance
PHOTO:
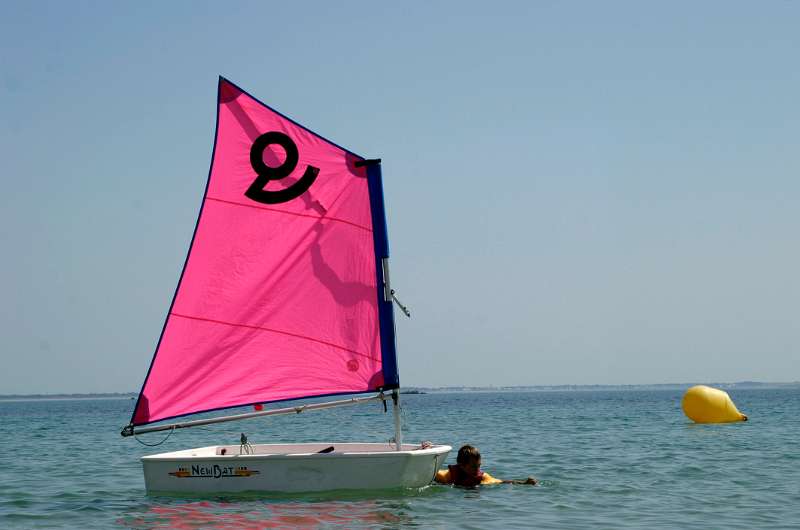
(293, 468)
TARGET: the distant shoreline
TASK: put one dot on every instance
(584, 388)
(430, 390)
(55, 397)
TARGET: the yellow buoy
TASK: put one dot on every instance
(704, 404)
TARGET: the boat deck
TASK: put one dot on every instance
(227, 451)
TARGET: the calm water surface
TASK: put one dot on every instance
(607, 459)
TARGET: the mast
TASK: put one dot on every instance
(385, 308)
(398, 433)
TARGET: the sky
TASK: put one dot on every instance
(577, 192)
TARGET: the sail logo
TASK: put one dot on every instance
(267, 173)
(215, 471)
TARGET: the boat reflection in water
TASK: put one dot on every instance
(261, 513)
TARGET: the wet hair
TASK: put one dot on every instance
(468, 454)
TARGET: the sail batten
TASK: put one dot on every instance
(269, 330)
(327, 218)
(281, 296)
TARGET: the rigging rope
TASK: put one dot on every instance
(156, 444)
(244, 446)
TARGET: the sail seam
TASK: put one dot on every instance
(233, 203)
(260, 328)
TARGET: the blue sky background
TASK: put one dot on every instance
(578, 192)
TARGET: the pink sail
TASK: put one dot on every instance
(279, 297)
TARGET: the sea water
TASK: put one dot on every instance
(606, 459)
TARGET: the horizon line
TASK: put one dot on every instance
(460, 387)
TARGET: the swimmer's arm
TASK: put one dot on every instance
(488, 479)
(529, 481)
(443, 477)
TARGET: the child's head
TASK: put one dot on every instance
(469, 459)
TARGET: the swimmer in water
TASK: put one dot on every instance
(467, 471)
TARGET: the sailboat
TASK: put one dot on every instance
(284, 295)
